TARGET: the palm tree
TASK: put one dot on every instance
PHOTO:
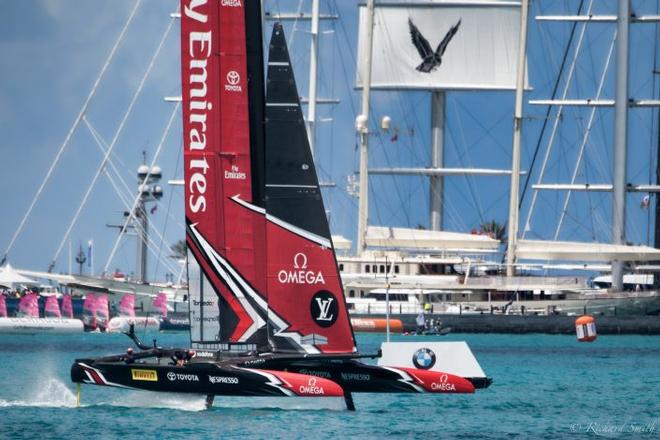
(493, 229)
(179, 250)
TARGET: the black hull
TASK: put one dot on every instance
(249, 375)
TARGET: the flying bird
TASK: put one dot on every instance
(430, 60)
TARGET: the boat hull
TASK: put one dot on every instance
(260, 376)
(121, 324)
(40, 325)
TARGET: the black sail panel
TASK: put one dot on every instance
(292, 189)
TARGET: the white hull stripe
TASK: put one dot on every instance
(274, 381)
(104, 381)
(406, 378)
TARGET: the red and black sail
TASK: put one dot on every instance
(261, 265)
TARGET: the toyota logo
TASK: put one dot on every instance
(233, 77)
(171, 376)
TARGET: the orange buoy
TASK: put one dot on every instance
(585, 328)
(376, 325)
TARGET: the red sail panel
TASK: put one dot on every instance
(304, 290)
(217, 165)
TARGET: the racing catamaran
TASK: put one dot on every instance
(267, 310)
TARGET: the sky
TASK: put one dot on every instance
(51, 53)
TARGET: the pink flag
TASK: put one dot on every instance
(29, 306)
(102, 311)
(127, 305)
(52, 309)
(160, 304)
(89, 305)
(3, 306)
(67, 307)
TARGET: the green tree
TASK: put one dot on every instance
(494, 230)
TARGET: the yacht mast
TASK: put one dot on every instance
(362, 126)
(517, 128)
(437, 157)
(620, 139)
(313, 58)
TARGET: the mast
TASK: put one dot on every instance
(620, 139)
(437, 157)
(363, 130)
(517, 128)
(313, 58)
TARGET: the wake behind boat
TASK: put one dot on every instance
(267, 310)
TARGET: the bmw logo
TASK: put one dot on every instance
(424, 358)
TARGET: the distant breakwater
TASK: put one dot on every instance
(552, 324)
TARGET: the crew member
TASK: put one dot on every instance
(421, 323)
(129, 356)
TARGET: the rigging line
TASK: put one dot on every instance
(102, 146)
(73, 128)
(655, 120)
(585, 137)
(113, 143)
(131, 215)
(555, 124)
(468, 178)
(167, 218)
(555, 89)
(101, 143)
(123, 197)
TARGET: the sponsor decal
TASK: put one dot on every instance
(147, 375)
(224, 380)
(197, 303)
(355, 376)
(300, 273)
(235, 173)
(233, 82)
(206, 354)
(324, 308)
(311, 388)
(199, 50)
(424, 358)
(443, 385)
(254, 362)
(172, 376)
(231, 3)
(316, 373)
(209, 319)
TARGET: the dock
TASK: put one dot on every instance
(551, 324)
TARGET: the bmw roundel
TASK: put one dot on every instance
(424, 358)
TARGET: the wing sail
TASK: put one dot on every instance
(217, 163)
(305, 294)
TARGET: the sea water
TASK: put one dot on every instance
(544, 386)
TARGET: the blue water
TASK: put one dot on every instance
(545, 386)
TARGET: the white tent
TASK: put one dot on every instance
(12, 279)
(382, 236)
(571, 251)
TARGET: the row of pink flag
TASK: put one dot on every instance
(28, 306)
(95, 307)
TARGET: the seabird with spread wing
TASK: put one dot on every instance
(430, 60)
